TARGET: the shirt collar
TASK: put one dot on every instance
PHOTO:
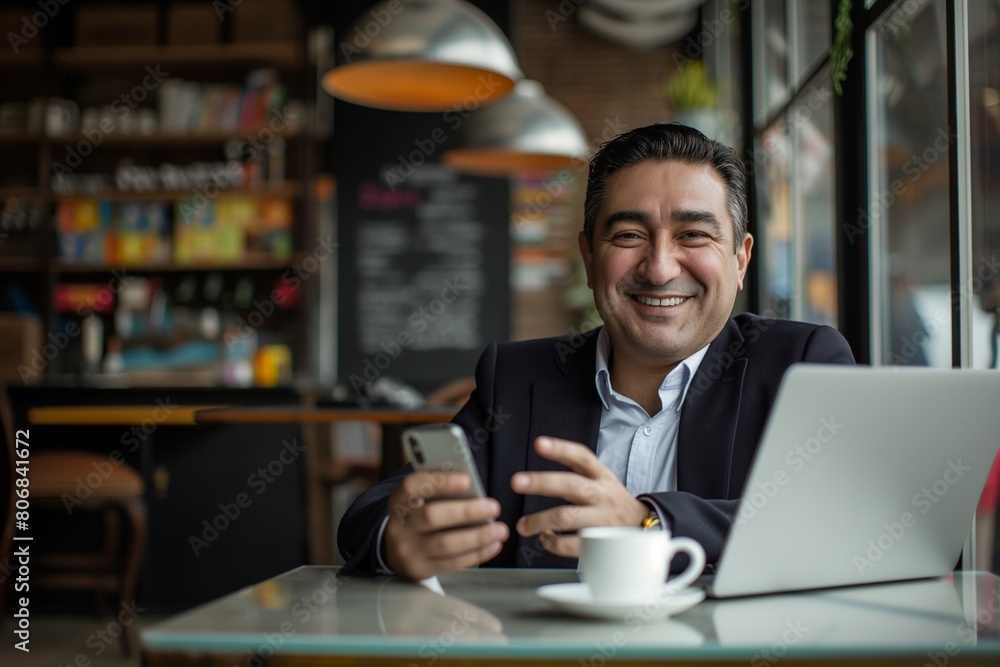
(602, 375)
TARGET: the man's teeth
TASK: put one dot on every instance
(650, 301)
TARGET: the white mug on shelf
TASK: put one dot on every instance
(60, 116)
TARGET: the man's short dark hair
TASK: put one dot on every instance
(667, 141)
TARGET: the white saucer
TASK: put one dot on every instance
(576, 599)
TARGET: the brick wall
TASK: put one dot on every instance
(600, 82)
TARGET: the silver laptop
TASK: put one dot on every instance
(863, 475)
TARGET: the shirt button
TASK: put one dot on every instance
(648, 430)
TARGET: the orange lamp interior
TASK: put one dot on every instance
(502, 162)
(415, 85)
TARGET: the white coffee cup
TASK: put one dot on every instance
(625, 565)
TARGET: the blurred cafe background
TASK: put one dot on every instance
(337, 205)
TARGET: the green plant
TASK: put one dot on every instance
(841, 52)
(690, 87)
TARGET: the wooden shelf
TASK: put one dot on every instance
(284, 55)
(21, 264)
(249, 263)
(25, 58)
(19, 137)
(179, 140)
(28, 191)
(287, 189)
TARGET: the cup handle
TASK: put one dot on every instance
(694, 569)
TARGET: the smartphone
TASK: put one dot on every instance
(443, 447)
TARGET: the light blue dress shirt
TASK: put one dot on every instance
(641, 449)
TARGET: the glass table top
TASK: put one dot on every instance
(497, 613)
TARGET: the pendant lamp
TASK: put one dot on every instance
(527, 131)
(422, 55)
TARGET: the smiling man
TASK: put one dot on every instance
(653, 420)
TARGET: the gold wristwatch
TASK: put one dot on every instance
(652, 520)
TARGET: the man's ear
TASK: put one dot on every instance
(587, 253)
(743, 259)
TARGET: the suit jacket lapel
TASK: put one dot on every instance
(709, 417)
(565, 405)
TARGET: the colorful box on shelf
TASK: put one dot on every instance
(85, 248)
(132, 248)
(273, 234)
(236, 211)
(84, 215)
(83, 227)
(92, 231)
(141, 233)
(142, 216)
(193, 244)
(204, 232)
(83, 297)
(230, 227)
(273, 366)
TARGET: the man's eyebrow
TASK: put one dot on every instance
(704, 217)
(626, 216)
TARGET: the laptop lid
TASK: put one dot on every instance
(863, 475)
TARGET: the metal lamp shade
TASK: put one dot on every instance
(423, 55)
(527, 131)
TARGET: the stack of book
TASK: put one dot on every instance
(189, 107)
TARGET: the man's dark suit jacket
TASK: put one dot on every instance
(546, 387)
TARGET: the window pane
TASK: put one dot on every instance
(813, 182)
(984, 107)
(774, 243)
(908, 204)
(723, 59)
(812, 24)
(771, 52)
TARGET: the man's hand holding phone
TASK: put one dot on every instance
(429, 532)
(439, 520)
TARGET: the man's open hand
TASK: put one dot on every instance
(596, 497)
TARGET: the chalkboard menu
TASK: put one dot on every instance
(424, 252)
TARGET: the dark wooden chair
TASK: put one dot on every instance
(55, 485)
